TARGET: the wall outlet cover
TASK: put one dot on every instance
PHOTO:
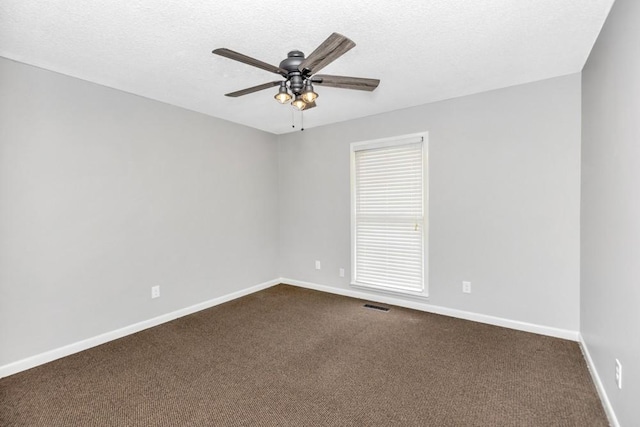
(466, 287)
(618, 374)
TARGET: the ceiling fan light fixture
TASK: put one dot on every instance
(308, 95)
(283, 95)
(299, 103)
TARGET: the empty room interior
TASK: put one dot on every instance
(336, 213)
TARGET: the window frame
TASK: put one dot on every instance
(384, 143)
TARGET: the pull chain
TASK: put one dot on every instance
(301, 120)
(293, 125)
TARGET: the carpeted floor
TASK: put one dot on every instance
(294, 357)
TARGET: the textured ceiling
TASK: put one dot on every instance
(421, 50)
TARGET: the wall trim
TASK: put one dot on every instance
(425, 306)
(67, 350)
(606, 403)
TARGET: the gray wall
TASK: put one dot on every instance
(610, 292)
(504, 200)
(104, 194)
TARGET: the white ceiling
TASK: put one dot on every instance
(421, 50)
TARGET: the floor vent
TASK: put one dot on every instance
(376, 307)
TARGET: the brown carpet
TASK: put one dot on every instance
(295, 357)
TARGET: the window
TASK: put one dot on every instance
(388, 221)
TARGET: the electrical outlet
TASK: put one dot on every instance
(341, 272)
(317, 265)
(155, 291)
(618, 373)
(466, 287)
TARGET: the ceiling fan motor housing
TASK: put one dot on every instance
(293, 61)
(291, 64)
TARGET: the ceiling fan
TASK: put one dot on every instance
(300, 73)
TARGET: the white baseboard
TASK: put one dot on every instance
(423, 306)
(613, 420)
(51, 355)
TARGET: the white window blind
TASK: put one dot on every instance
(388, 222)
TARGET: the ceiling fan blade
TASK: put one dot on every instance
(228, 53)
(331, 49)
(252, 89)
(343, 82)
